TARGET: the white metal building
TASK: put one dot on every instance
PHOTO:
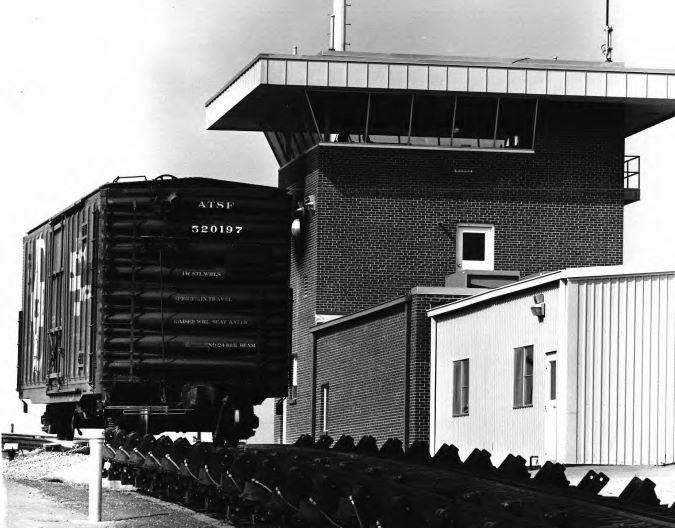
(576, 366)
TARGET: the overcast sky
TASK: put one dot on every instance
(93, 90)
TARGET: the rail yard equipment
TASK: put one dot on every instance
(314, 485)
(158, 305)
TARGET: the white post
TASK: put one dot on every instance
(95, 467)
(339, 25)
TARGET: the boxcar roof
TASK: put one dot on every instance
(186, 182)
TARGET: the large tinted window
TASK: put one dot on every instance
(401, 119)
(340, 116)
(475, 120)
(515, 126)
(432, 120)
(389, 119)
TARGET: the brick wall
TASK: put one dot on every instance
(363, 363)
(420, 362)
(376, 232)
(377, 367)
(379, 209)
(303, 283)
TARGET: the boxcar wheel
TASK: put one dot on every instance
(65, 429)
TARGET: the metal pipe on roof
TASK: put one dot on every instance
(339, 25)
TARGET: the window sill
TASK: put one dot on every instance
(523, 406)
(460, 415)
(425, 147)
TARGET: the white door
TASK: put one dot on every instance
(475, 247)
(550, 408)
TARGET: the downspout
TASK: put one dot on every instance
(406, 380)
(314, 371)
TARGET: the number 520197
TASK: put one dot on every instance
(217, 229)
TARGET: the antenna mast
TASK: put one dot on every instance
(338, 26)
(607, 47)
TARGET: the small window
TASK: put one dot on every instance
(293, 396)
(475, 247)
(324, 408)
(460, 395)
(552, 384)
(523, 360)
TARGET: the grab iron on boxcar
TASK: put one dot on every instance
(158, 305)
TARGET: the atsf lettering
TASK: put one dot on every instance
(212, 204)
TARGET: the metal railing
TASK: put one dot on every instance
(631, 172)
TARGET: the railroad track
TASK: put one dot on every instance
(358, 486)
(26, 441)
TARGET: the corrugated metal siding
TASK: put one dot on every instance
(32, 355)
(57, 304)
(626, 370)
(488, 336)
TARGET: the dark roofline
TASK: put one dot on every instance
(184, 180)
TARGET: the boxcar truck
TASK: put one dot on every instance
(158, 305)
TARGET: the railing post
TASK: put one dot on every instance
(95, 437)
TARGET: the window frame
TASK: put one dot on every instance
(553, 381)
(460, 398)
(290, 144)
(293, 386)
(325, 406)
(520, 377)
(488, 263)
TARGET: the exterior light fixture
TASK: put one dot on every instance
(310, 203)
(539, 308)
(296, 228)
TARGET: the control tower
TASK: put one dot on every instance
(407, 168)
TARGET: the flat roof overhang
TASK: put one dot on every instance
(252, 99)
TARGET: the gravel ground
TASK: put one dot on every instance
(40, 489)
(39, 464)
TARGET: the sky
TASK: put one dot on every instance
(94, 90)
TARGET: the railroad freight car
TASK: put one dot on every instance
(158, 305)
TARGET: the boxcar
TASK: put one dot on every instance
(158, 305)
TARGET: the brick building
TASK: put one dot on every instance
(407, 169)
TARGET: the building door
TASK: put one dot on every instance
(551, 408)
(475, 247)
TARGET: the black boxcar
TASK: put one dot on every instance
(158, 305)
